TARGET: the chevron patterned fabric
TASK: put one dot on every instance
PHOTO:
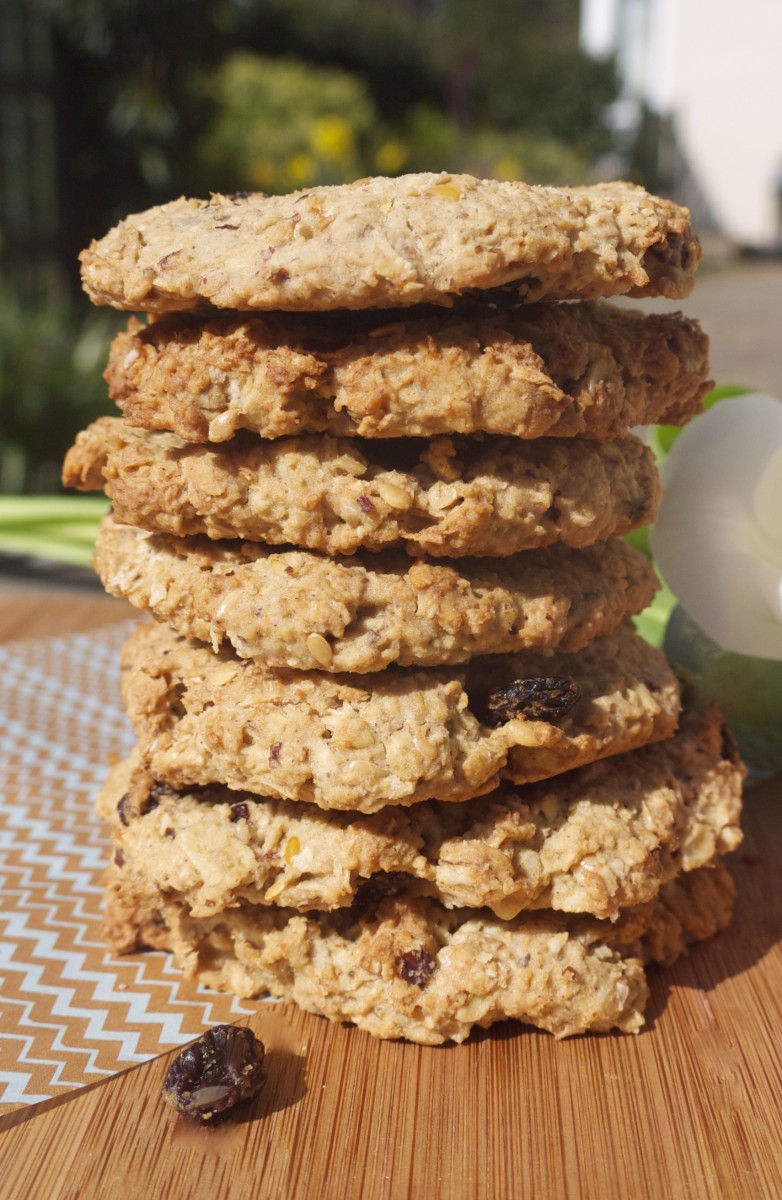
(69, 1013)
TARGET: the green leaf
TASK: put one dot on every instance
(61, 528)
(653, 621)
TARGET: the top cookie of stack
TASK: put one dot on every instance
(381, 243)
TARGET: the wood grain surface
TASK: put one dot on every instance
(689, 1108)
(52, 611)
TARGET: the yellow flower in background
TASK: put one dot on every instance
(391, 157)
(301, 169)
(507, 168)
(331, 139)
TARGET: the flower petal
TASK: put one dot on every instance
(767, 503)
(718, 537)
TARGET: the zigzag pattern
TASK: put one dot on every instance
(68, 1012)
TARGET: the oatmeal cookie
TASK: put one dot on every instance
(445, 497)
(590, 370)
(296, 608)
(598, 839)
(409, 968)
(384, 242)
(396, 737)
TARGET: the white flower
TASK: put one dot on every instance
(718, 538)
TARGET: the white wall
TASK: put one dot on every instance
(728, 105)
(716, 66)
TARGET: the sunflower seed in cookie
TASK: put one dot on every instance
(395, 737)
(591, 370)
(382, 242)
(296, 608)
(445, 497)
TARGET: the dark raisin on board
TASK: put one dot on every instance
(539, 699)
(211, 1076)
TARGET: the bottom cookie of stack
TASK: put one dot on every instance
(409, 968)
(613, 867)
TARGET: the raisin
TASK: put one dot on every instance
(365, 504)
(131, 805)
(158, 792)
(214, 1074)
(240, 811)
(415, 966)
(371, 891)
(539, 699)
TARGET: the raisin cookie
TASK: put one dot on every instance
(361, 742)
(599, 839)
(445, 497)
(409, 968)
(384, 242)
(589, 370)
(296, 608)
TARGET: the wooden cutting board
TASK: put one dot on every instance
(692, 1107)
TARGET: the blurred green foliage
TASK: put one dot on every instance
(280, 124)
(52, 358)
(155, 85)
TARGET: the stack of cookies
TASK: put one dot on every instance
(401, 757)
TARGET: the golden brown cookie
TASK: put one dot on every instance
(525, 371)
(445, 497)
(395, 737)
(296, 608)
(594, 840)
(384, 242)
(409, 968)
